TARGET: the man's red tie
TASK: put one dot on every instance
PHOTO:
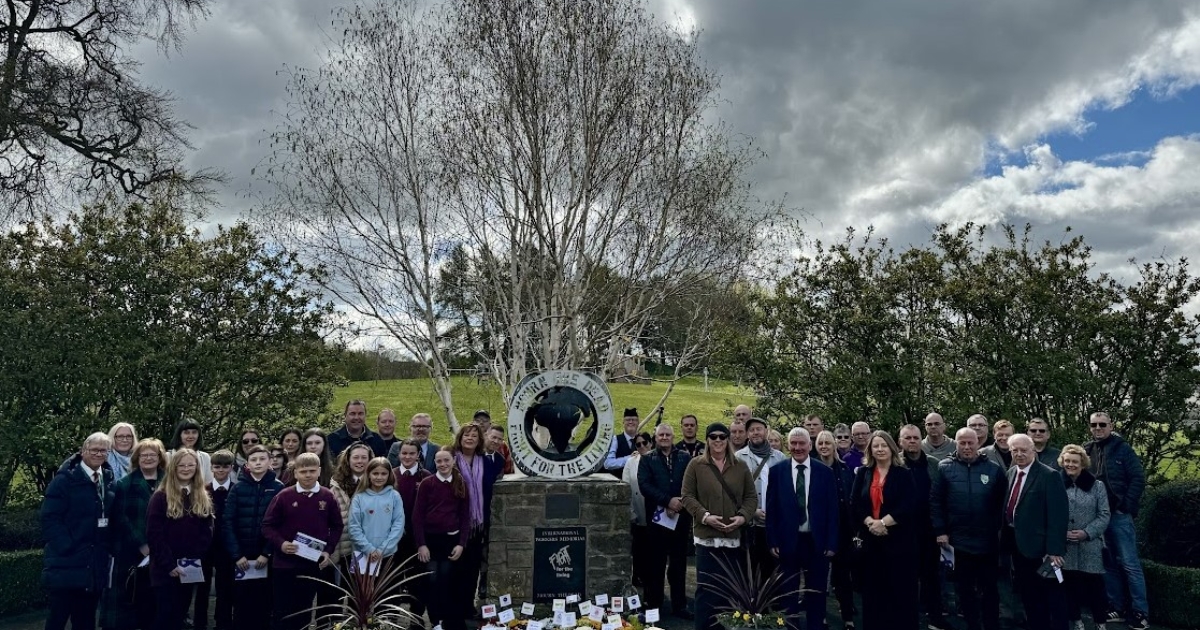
(1011, 511)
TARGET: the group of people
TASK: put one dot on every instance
(871, 514)
(140, 533)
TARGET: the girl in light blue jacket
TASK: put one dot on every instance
(376, 514)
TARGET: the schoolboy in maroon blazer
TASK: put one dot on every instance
(309, 509)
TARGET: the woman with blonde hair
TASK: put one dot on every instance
(883, 507)
(120, 458)
(179, 529)
(1087, 518)
(129, 602)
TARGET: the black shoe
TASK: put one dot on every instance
(937, 623)
(1115, 617)
(1138, 622)
(684, 614)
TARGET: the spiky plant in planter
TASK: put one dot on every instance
(750, 598)
(369, 602)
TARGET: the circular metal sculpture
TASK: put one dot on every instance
(560, 424)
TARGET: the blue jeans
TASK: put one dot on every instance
(1122, 568)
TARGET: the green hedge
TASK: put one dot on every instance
(1173, 594)
(21, 581)
(21, 530)
(1165, 536)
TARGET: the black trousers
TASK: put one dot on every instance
(1043, 598)
(930, 575)
(252, 603)
(975, 576)
(1085, 589)
(72, 604)
(667, 552)
(218, 568)
(292, 596)
(761, 558)
(171, 604)
(414, 587)
(639, 553)
(707, 568)
(842, 582)
(446, 583)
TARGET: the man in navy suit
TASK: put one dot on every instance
(802, 525)
(1036, 514)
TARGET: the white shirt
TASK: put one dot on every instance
(807, 466)
(1021, 480)
(315, 487)
(411, 471)
(227, 485)
(89, 471)
(447, 478)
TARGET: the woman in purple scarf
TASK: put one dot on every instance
(480, 474)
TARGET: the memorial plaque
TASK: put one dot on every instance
(564, 506)
(559, 562)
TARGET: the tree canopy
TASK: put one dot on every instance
(72, 112)
(979, 322)
(126, 314)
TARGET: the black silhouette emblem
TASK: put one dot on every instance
(560, 424)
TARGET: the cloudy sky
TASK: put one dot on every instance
(900, 114)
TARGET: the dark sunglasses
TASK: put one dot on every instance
(720, 437)
(1099, 425)
(843, 437)
(250, 441)
(641, 443)
(1037, 430)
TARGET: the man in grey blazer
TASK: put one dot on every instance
(418, 429)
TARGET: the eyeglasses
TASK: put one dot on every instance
(1037, 430)
(250, 441)
(421, 426)
(843, 437)
(1099, 425)
(123, 437)
(641, 443)
(98, 451)
(720, 437)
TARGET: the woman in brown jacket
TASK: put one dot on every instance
(719, 494)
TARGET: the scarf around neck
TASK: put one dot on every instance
(761, 451)
(119, 463)
(473, 474)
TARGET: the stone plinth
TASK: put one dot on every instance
(599, 503)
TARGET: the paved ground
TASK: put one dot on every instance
(1008, 604)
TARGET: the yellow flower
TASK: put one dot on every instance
(780, 621)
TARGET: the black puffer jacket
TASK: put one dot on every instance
(76, 555)
(241, 524)
(1115, 463)
(967, 503)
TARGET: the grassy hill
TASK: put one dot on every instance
(410, 396)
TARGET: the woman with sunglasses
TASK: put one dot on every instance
(718, 492)
(841, 437)
(639, 536)
(250, 439)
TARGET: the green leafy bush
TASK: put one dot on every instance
(1166, 537)
(20, 530)
(1173, 593)
(21, 581)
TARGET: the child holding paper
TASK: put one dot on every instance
(305, 511)
(441, 525)
(179, 529)
(242, 529)
(376, 514)
(217, 565)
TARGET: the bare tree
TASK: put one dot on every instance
(72, 114)
(564, 145)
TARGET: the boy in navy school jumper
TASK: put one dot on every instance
(217, 565)
(244, 541)
(305, 508)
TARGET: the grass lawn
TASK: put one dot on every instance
(410, 396)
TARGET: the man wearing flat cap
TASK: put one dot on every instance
(622, 444)
(758, 456)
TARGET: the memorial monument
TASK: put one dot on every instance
(560, 527)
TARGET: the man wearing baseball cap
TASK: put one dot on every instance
(759, 457)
